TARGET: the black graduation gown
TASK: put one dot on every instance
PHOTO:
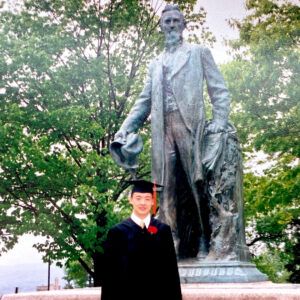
(140, 265)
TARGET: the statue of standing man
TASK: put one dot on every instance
(173, 96)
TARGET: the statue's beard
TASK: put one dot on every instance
(173, 38)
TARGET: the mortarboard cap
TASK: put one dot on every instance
(143, 186)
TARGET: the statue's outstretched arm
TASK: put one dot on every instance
(139, 112)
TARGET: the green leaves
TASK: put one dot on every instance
(70, 70)
(274, 265)
(265, 93)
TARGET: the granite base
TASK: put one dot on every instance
(195, 271)
(200, 291)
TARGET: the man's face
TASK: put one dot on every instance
(172, 26)
(141, 203)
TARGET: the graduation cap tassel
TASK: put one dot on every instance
(154, 199)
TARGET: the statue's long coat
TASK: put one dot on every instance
(192, 65)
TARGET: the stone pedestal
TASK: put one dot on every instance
(200, 291)
(195, 271)
(241, 291)
(72, 294)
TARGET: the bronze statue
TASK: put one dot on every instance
(173, 95)
(197, 162)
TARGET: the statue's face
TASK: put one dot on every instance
(172, 25)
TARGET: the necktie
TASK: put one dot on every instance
(142, 224)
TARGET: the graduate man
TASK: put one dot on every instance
(140, 259)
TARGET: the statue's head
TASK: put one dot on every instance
(172, 23)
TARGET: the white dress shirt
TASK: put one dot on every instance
(139, 221)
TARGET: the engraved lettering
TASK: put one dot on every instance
(222, 272)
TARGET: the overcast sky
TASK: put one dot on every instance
(218, 12)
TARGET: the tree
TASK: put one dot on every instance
(263, 80)
(76, 276)
(70, 70)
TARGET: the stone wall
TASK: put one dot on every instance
(212, 291)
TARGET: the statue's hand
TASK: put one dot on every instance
(121, 135)
(215, 127)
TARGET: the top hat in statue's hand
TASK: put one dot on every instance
(121, 136)
(125, 150)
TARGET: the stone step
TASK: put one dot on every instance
(202, 291)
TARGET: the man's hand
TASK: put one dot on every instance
(121, 135)
(215, 127)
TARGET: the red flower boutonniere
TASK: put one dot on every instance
(152, 229)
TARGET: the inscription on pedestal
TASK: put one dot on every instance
(192, 272)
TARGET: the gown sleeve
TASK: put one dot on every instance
(113, 266)
(172, 277)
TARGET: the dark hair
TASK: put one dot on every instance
(172, 7)
(142, 189)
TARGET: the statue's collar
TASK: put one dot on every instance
(182, 47)
(173, 48)
(181, 56)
